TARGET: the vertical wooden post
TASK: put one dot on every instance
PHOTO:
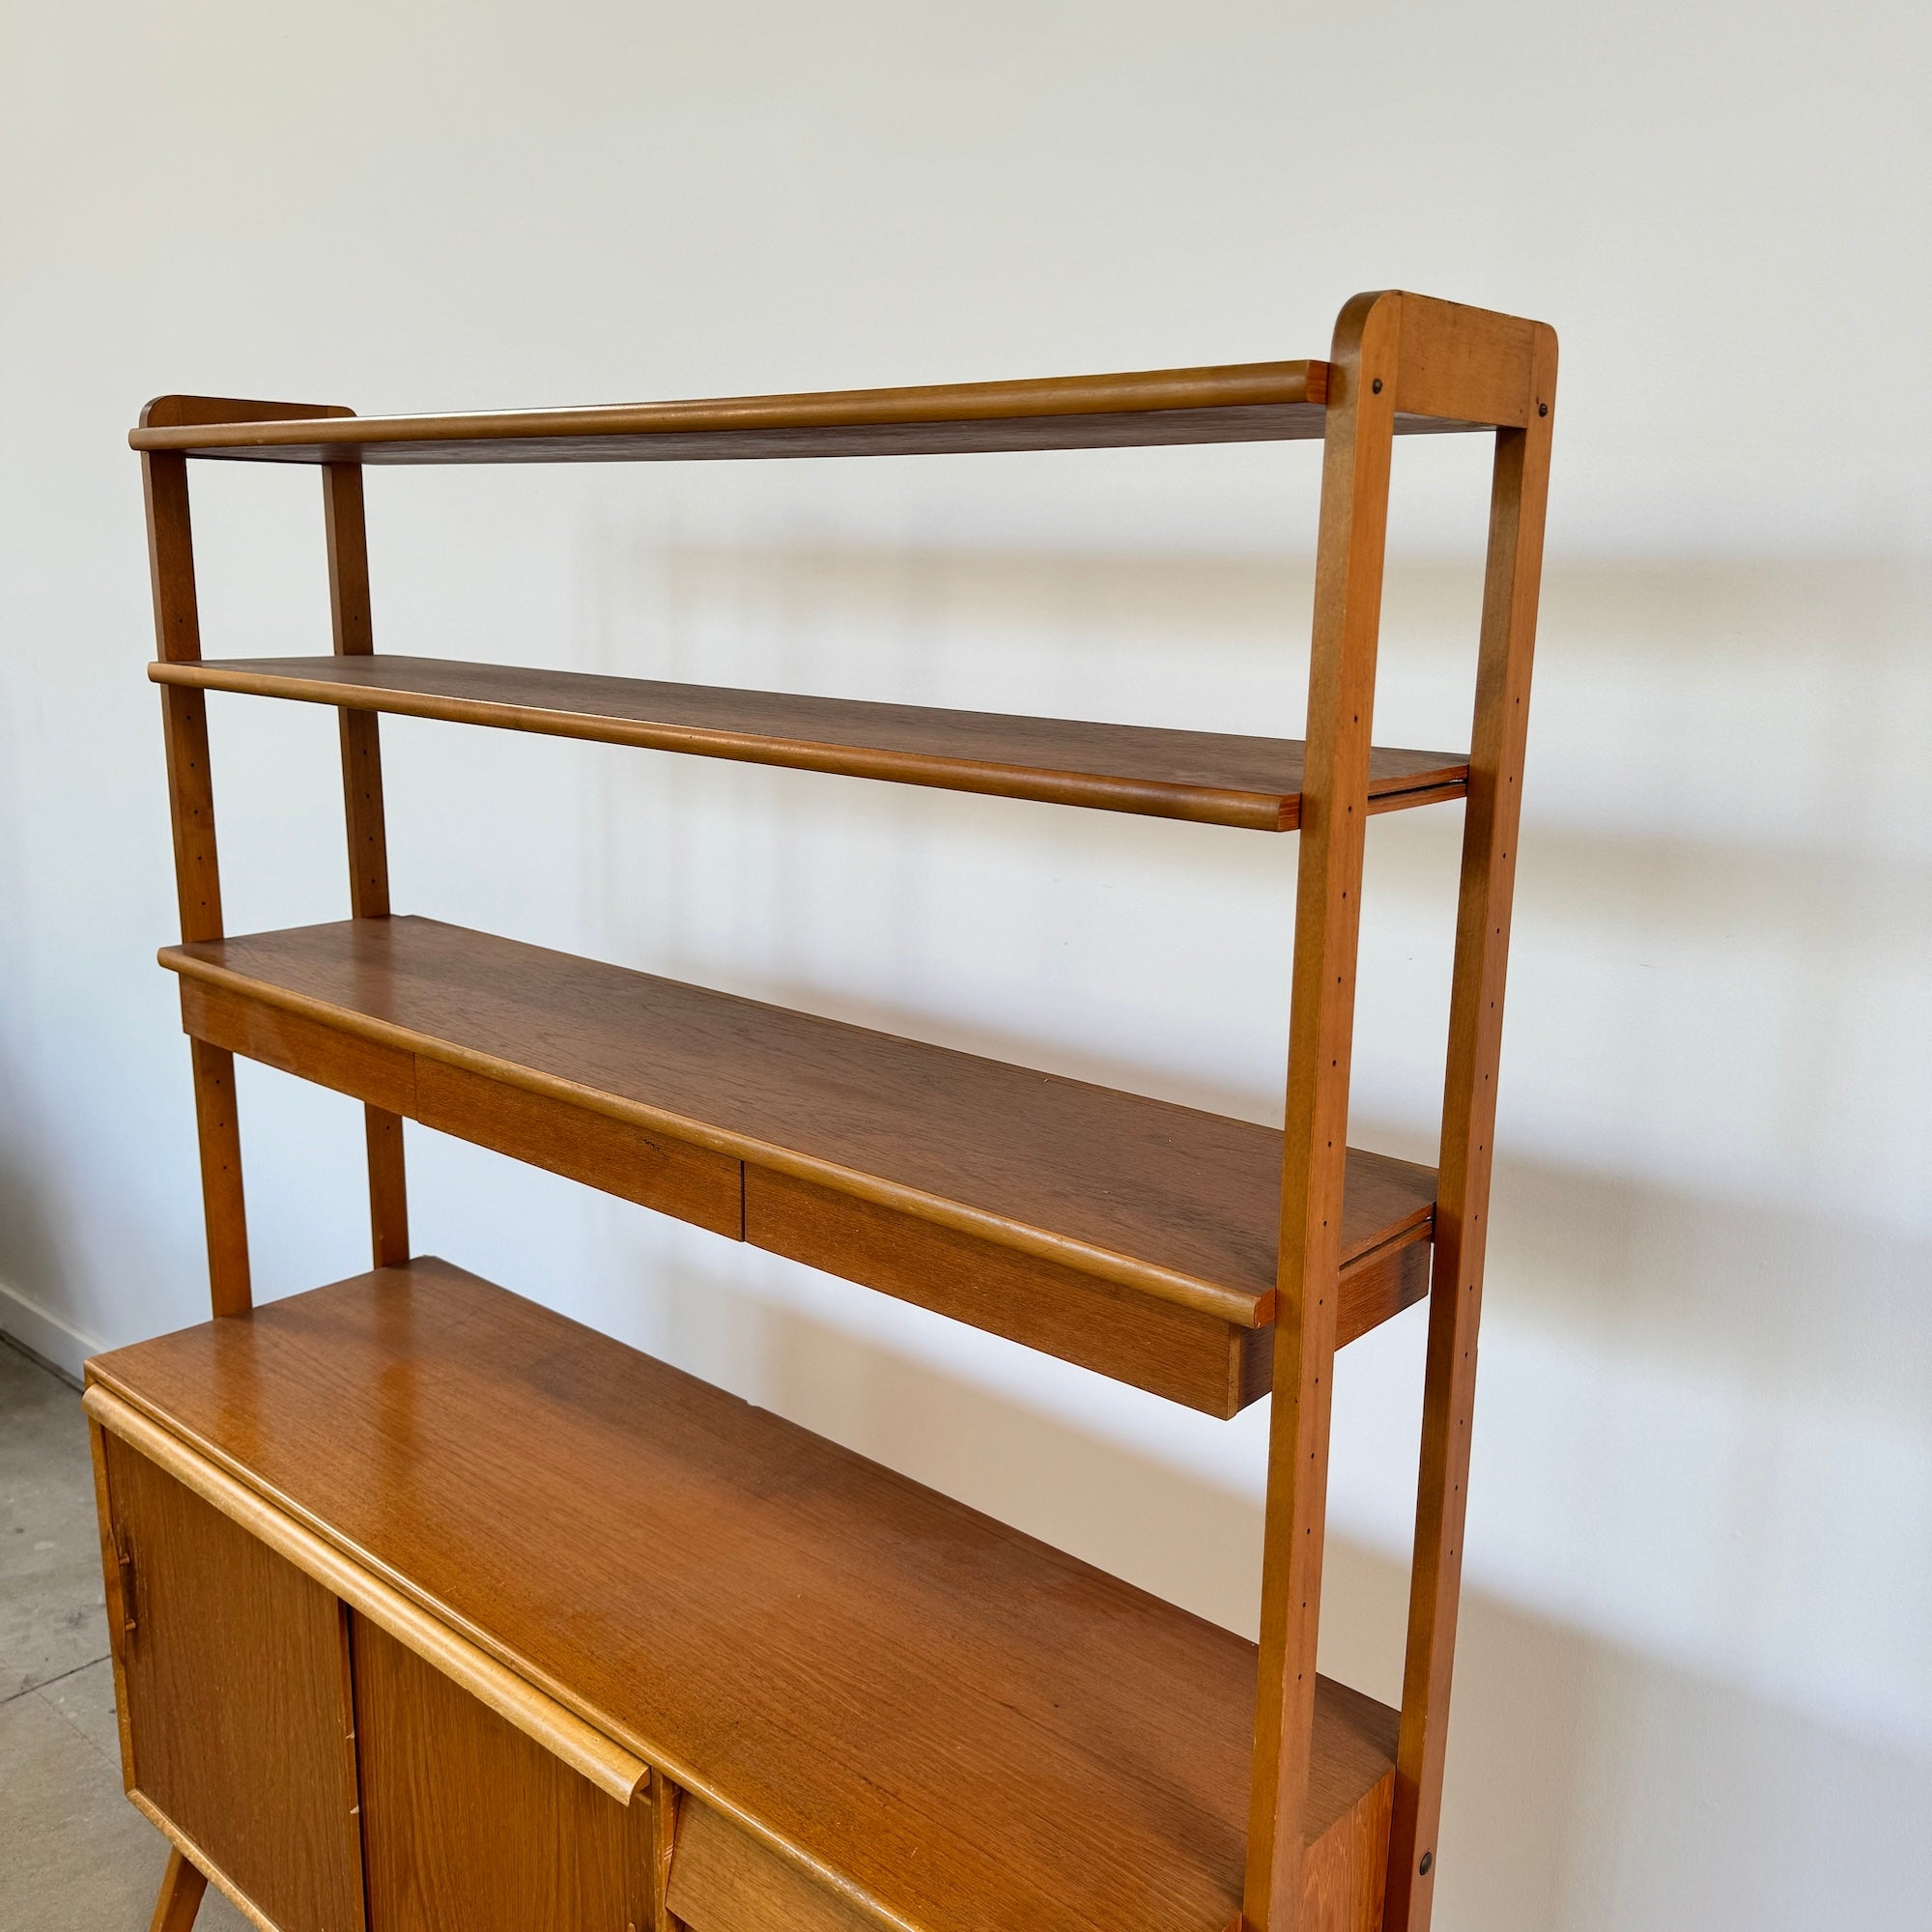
(1334, 811)
(1511, 582)
(363, 817)
(197, 871)
(181, 1894)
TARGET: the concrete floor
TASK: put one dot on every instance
(75, 1855)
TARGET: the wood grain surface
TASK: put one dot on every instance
(958, 1724)
(1208, 777)
(724, 1880)
(1172, 1201)
(238, 1700)
(559, 1732)
(469, 1826)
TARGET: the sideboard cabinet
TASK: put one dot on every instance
(435, 1611)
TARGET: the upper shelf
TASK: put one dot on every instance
(1245, 402)
(1212, 777)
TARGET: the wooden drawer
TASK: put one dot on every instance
(695, 1185)
(1180, 1352)
(724, 1880)
(692, 1183)
(384, 1077)
(232, 1675)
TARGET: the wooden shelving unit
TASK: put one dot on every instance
(431, 1607)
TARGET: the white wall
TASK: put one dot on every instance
(1695, 1682)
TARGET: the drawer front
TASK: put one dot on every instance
(724, 1880)
(469, 1825)
(234, 1669)
(1178, 1352)
(384, 1077)
(694, 1184)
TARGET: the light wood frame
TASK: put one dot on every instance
(1392, 351)
(191, 806)
(1397, 359)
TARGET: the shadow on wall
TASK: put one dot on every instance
(1590, 1789)
(1704, 1453)
(1693, 1683)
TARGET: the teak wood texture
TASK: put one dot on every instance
(236, 1668)
(1129, 1234)
(948, 1721)
(469, 1826)
(1208, 777)
(561, 1734)
(533, 1607)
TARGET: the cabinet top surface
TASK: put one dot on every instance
(915, 1698)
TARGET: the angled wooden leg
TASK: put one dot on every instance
(1469, 1137)
(180, 1898)
(362, 818)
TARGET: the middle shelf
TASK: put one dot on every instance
(1129, 1234)
(1213, 777)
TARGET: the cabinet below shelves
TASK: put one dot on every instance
(884, 1708)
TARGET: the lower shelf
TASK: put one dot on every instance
(885, 1708)
(1134, 1236)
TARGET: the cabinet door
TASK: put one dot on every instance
(469, 1825)
(236, 1667)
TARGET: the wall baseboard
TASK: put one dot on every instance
(43, 1335)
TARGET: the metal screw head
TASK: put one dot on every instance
(1542, 409)
(1428, 1859)
(1376, 387)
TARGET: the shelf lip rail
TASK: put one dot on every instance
(1240, 385)
(1241, 402)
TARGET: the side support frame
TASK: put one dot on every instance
(197, 867)
(191, 806)
(1511, 582)
(198, 875)
(1393, 353)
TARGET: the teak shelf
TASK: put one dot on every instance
(1213, 777)
(431, 1607)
